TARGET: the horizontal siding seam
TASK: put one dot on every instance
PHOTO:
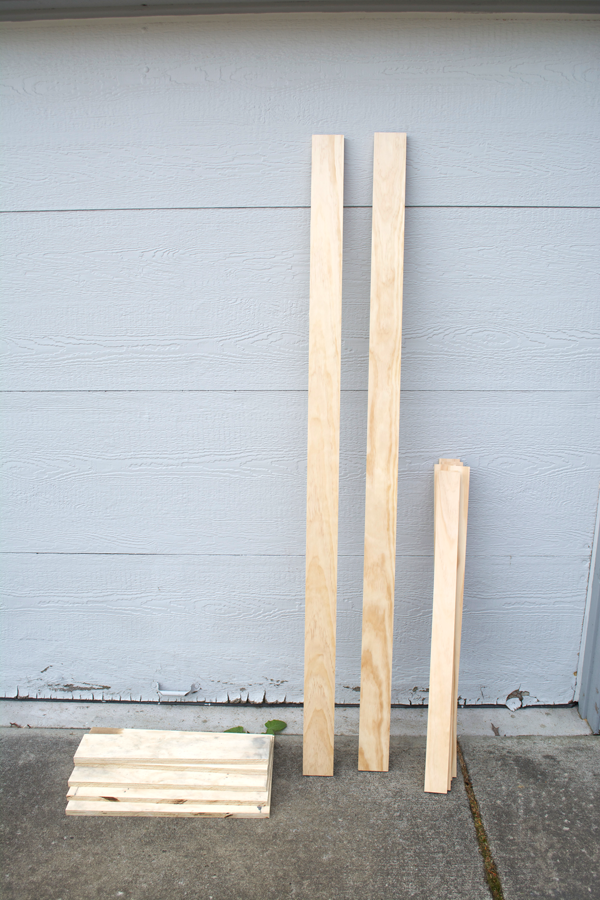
(232, 208)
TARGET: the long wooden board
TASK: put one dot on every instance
(113, 793)
(216, 768)
(324, 368)
(385, 344)
(139, 746)
(441, 679)
(168, 778)
(215, 810)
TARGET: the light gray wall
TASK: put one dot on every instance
(155, 226)
(589, 659)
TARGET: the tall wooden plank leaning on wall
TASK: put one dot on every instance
(327, 188)
(385, 340)
(451, 495)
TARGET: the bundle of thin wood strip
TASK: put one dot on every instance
(451, 499)
(133, 772)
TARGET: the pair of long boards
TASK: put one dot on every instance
(134, 772)
(451, 502)
(387, 263)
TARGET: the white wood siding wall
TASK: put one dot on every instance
(155, 320)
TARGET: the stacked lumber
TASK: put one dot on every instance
(134, 772)
(451, 499)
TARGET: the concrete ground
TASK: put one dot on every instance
(540, 803)
(357, 835)
(474, 720)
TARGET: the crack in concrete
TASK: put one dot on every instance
(491, 872)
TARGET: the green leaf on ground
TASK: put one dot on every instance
(274, 725)
(237, 730)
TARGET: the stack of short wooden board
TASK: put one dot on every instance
(451, 499)
(134, 772)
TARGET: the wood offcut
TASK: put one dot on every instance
(451, 494)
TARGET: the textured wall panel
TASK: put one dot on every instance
(218, 111)
(155, 329)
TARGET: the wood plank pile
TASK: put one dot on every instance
(134, 772)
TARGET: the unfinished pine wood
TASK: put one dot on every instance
(215, 810)
(323, 451)
(460, 589)
(216, 768)
(385, 341)
(441, 680)
(139, 747)
(177, 765)
(443, 464)
(99, 730)
(436, 470)
(454, 465)
(460, 583)
(270, 771)
(114, 793)
(165, 774)
(169, 778)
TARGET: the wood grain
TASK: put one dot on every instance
(195, 115)
(178, 748)
(385, 346)
(166, 795)
(441, 681)
(324, 372)
(460, 589)
(456, 465)
(165, 778)
(170, 773)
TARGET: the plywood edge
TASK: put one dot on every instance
(143, 776)
(118, 794)
(197, 810)
(214, 765)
